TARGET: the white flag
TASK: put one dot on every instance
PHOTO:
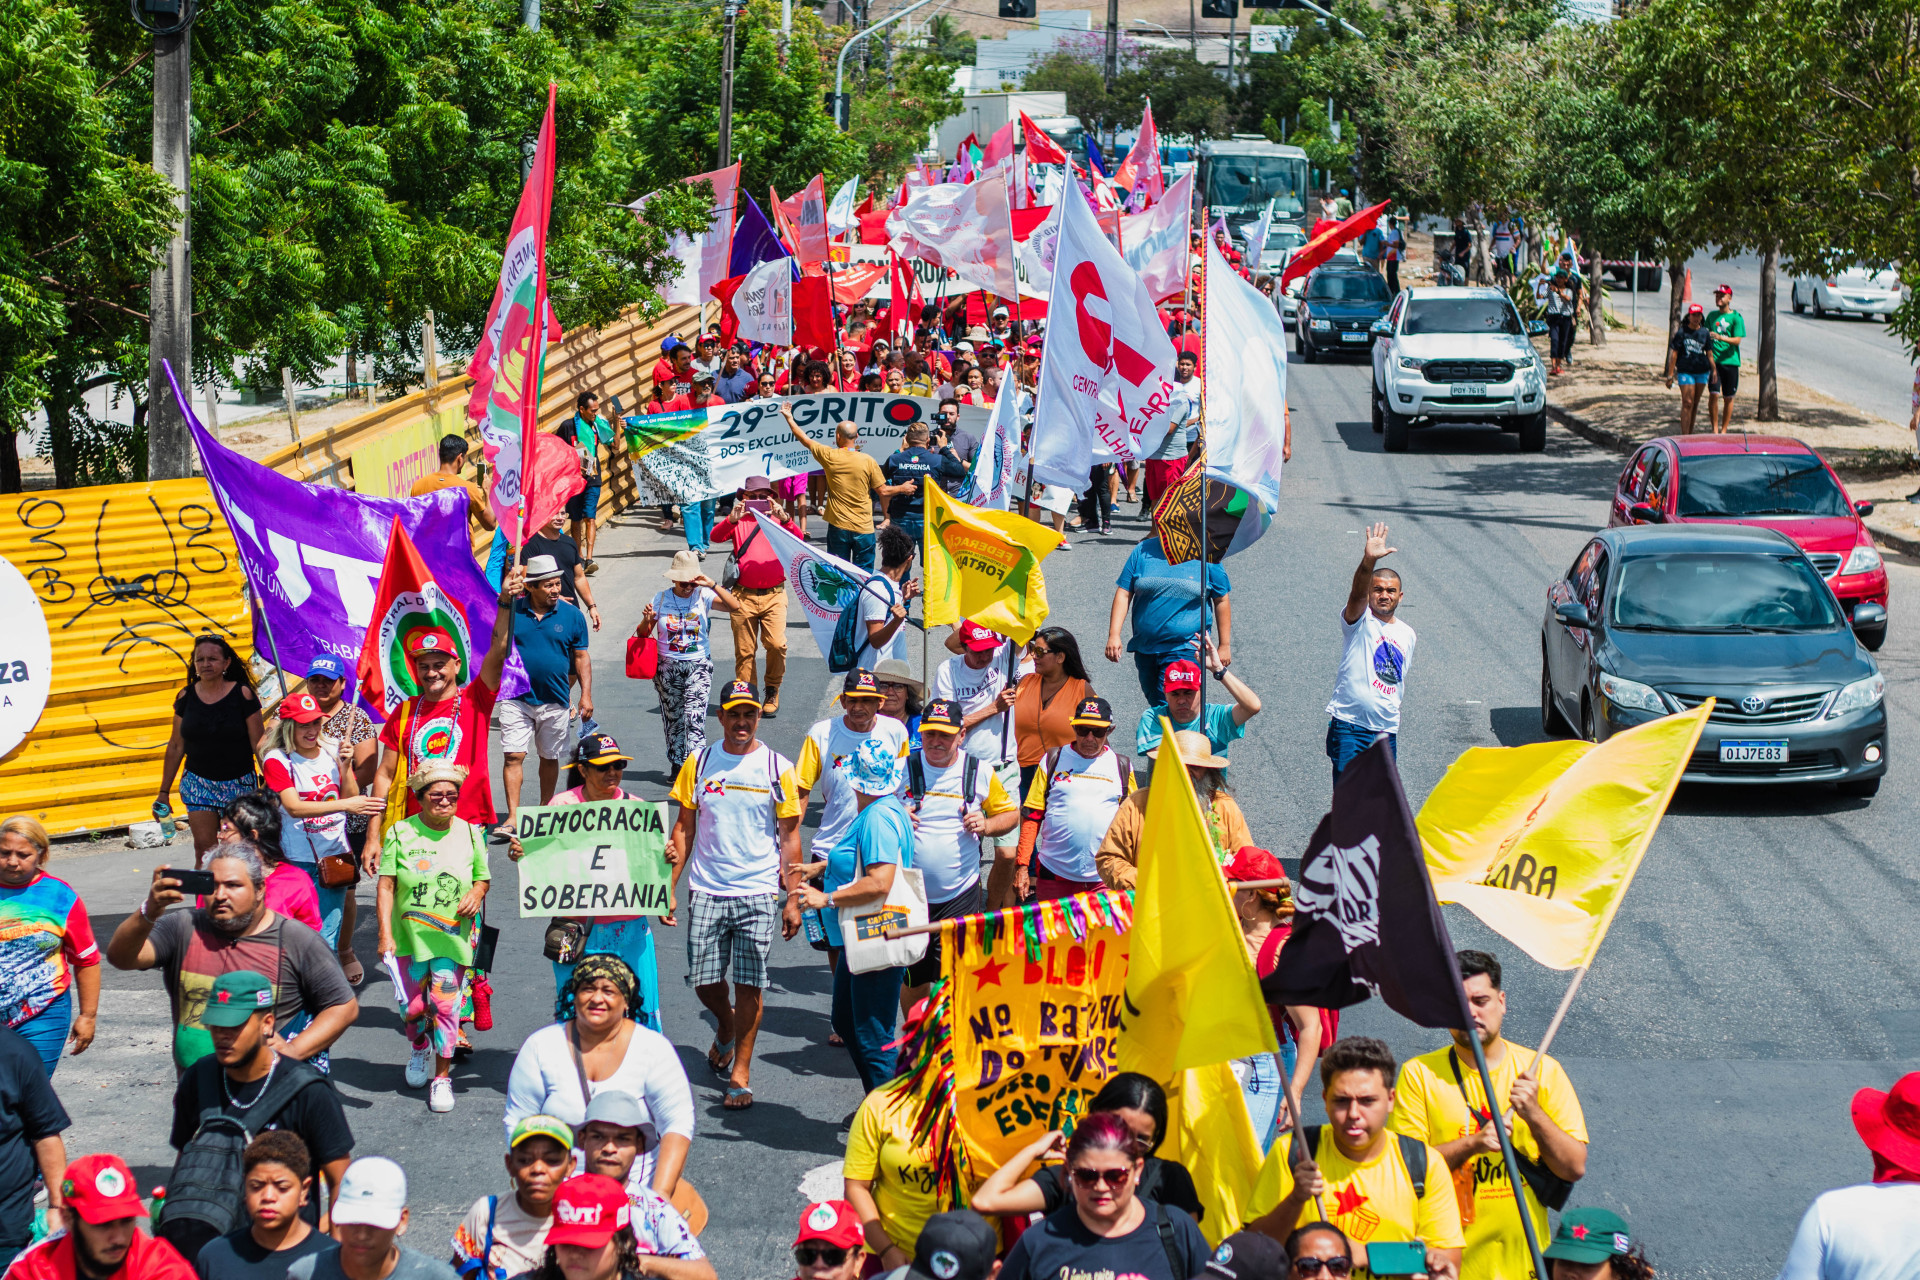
(702, 258)
(1106, 376)
(991, 483)
(764, 303)
(823, 584)
(840, 215)
(966, 227)
(1037, 253)
(1246, 393)
(1156, 241)
(1260, 237)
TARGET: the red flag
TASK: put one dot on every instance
(853, 284)
(873, 227)
(729, 322)
(408, 600)
(813, 312)
(1322, 246)
(1041, 148)
(553, 476)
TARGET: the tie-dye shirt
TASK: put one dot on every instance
(44, 936)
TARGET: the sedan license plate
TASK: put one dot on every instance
(1467, 389)
(1356, 336)
(1767, 751)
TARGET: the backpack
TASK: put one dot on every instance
(205, 1186)
(730, 572)
(917, 779)
(1052, 762)
(849, 635)
(1184, 1268)
(1413, 1154)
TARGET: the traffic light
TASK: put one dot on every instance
(1266, 4)
(1019, 8)
(1219, 8)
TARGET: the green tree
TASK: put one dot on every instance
(899, 98)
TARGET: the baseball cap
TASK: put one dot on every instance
(1093, 711)
(587, 1210)
(430, 640)
(956, 1245)
(100, 1189)
(860, 683)
(301, 709)
(942, 715)
(600, 748)
(373, 1192)
(1181, 675)
(702, 375)
(1251, 862)
(616, 1107)
(1722, 288)
(740, 693)
(670, 344)
(236, 996)
(977, 637)
(1248, 1255)
(539, 1126)
(833, 1222)
(874, 768)
(1589, 1236)
(326, 666)
(1695, 309)
(998, 312)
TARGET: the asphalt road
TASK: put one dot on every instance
(1761, 971)
(1851, 358)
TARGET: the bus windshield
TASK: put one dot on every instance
(1244, 184)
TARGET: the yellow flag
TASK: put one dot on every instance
(1542, 841)
(984, 565)
(1209, 1131)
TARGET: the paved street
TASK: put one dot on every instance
(1763, 968)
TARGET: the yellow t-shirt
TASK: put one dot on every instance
(881, 1151)
(1374, 1200)
(852, 478)
(1429, 1106)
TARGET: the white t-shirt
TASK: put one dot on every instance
(1868, 1232)
(877, 599)
(736, 837)
(973, 689)
(307, 840)
(822, 771)
(947, 856)
(682, 623)
(1375, 657)
(1080, 804)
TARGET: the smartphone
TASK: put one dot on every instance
(760, 504)
(1396, 1257)
(194, 884)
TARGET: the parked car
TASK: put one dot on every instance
(1336, 310)
(1772, 482)
(1655, 619)
(1457, 355)
(1855, 291)
(1282, 239)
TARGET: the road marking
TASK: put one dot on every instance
(824, 1182)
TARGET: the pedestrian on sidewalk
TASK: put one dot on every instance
(1376, 650)
(49, 961)
(217, 730)
(1396, 251)
(1690, 362)
(1169, 607)
(761, 587)
(684, 679)
(586, 430)
(1728, 327)
(552, 539)
(551, 637)
(1913, 424)
(1563, 304)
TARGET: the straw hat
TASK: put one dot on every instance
(1195, 749)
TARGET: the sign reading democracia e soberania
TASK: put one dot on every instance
(600, 858)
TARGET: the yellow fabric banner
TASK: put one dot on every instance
(984, 565)
(1542, 841)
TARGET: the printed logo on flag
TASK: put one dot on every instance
(1344, 886)
(409, 612)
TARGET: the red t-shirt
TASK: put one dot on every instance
(453, 728)
(760, 568)
(671, 383)
(1263, 965)
(680, 404)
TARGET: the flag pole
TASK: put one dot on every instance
(1506, 1150)
(1299, 1130)
(1206, 542)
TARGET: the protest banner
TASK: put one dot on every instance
(26, 658)
(702, 453)
(598, 858)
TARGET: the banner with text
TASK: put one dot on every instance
(598, 858)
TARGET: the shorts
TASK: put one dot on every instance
(788, 488)
(1726, 380)
(1692, 379)
(524, 725)
(204, 795)
(729, 934)
(585, 504)
(967, 903)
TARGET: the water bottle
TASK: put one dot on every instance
(816, 932)
(163, 814)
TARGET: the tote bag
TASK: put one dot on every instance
(862, 927)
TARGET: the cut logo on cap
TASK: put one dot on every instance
(578, 1215)
(110, 1182)
(822, 1217)
(945, 1266)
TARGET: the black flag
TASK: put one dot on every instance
(1365, 920)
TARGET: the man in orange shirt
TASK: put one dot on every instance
(453, 460)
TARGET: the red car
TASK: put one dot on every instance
(1775, 482)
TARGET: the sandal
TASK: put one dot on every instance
(734, 1093)
(351, 967)
(722, 1067)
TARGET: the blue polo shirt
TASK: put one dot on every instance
(546, 647)
(1167, 609)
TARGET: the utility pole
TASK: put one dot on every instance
(726, 87)
(1232, 17)
(530, 14)
(170, 299)
(1113, 42)
(1767, 408)
(1193, 30)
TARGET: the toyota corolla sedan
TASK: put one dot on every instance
(1655, 619)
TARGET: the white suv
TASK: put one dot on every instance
(1457, 355)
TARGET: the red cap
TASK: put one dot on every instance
(1696, 309)
(1180, 675)
(587, 1210)
(1722, 288)
(301, 709)
(977, 637)
(431, 640)
(833, 1222)
(100, 1189)
(1250, 862)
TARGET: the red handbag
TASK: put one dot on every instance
(643, 657)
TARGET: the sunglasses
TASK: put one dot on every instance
(808, 1255)
(1091, 731)
(438, 796)
(1038, 650)
(1091, 1178)
(1312, 1266)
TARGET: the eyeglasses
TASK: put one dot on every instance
(1090, 1178)
(441, 796)
(808, 1255)
(1312, 1266)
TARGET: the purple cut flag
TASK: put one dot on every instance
(754, 239)
(312, 555)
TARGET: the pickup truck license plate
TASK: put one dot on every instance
(1770, 751)
(1467, 389)
(1358, 335)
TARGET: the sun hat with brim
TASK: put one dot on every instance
(1889, 1123)
(436, 771)
(236, 996)
(896, 671)
(874, 768)
(588, 1211)
(1196, 750)
(1588, 1236)
(542, 568)
(685, 566)
(540, 1126)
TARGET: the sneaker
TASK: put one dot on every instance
(1914, 496)
(1106, 526)
(440, 1095)
(592, 567)
(1064, 544)
(419, 1067)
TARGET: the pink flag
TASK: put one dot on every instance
(964, 227)
(1155, 242)
(704, 258)
(803, 217)
(1141, 169)
(998, 147)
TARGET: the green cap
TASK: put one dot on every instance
(1589, 1236)
(236, 997)
(542, 1127)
